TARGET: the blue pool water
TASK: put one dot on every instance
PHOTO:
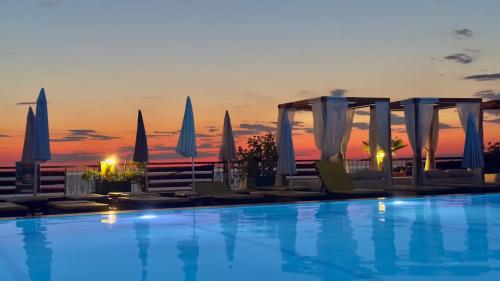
(435, 238)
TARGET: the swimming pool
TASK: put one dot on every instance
(452, 237)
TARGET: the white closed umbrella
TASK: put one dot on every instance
(286, 154)
(473, 153)
(186, 145)
(41, 151)
(227, 152)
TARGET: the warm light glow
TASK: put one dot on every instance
(381, 207)
(380, 158)
(108, 165)
(110, 219)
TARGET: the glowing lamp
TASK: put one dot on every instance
(380, 158)
(108, 166)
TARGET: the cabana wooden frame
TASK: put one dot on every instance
(353, 103)
(440, 103)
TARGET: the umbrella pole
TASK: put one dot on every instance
(192, 172)
(291, 179)
(35, 180)
(146, 184)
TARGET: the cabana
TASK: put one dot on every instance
(422, 127)
(333, 120)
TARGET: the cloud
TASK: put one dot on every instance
(252, 129)
(212, 129)
(77, 156)
(4, 136)
(26, 103)
(484, 77)
(363, 112)
(445, 126)
(305, 93)
(338, 92)
(493, 121)
(460, 58)
(464, 32)
(206, 145)
(397, 120)
(83, 135)
(361, 125)
(488, 94)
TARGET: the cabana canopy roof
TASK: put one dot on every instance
(354, 102)
(441, 103)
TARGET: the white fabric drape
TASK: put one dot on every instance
(463, 112)
(372, 138)
(347, 136)
(335, 113)
(421, 126)
(286, 156)
(432, 141)
(329, 122)
(318, 111)
(383, 135)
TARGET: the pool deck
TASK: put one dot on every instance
(64, 205)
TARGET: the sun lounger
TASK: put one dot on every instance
(99, 198)
(149, 202)
(335, 180)
(219, 192)
(8, 209)
(73, 206)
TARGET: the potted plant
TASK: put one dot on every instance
(113, 181)
(257, 162)
(492, 162)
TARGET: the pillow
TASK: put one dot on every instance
(459, 173)
(367, 175)
(436, 174)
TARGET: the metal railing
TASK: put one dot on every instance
(171, 176)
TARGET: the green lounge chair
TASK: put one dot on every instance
(335, 180)
(220, 192)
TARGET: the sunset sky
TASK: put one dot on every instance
(101, 61)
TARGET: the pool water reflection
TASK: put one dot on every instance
(434, 238)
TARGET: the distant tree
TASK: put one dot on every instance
(396, 144)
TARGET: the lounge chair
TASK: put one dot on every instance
(150, 202)
(73, 206)
(336, 181)
(219, 192)
(8, 209)
(99, 198)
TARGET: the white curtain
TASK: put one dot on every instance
(347, 136)
(318, 112)
(329, 119)
(463, 112)
(335, 112)
(432, 141)
(383, 135)
(372, 138)
(284, 130)
(423, 126)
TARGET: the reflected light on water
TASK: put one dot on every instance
(109, 218)
(148, 217)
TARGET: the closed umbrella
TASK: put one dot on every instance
(41, 150)
(227, 152)
(29, 137)
(473, 154)
(141, 154)
(286, 154)
(186, 145)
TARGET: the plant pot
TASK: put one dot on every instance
(249, 182)
(265, 180)
(105, 187)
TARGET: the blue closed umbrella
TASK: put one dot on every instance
(41, 151)
(141, 154)
(227, 152)
(186, 145)
(29, 136)
(473, 153)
